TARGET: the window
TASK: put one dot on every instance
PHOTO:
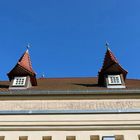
(114, 80)
(119, 137)
(108, 138)
(23, 138)
(70, 137)
(47, 138)
(2, 137)
(94, 137)
(19, 81)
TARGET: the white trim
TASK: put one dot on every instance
(116, 86)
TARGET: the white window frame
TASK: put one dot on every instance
(108, 138)
(19, 81)
(114, 80)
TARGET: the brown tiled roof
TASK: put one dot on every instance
(77, 84)
(60, 84)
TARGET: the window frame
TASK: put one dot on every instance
(19, 81)
(114, 80)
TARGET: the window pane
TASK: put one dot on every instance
(109, 138)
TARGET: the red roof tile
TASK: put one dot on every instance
(25, 62)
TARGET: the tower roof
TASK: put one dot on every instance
(110, 65)
(111, 60)
(25, 61)
(23, 68)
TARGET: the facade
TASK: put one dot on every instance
(106, 107)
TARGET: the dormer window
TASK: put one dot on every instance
(19, 81)
(114, 80)
(112, 74)
(22, 75)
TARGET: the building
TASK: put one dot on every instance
(106, 107)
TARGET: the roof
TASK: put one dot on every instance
(110, 60)
(70, 84)
(25, 61)
(110, 65)
(23, 68)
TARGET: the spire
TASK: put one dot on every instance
(110, 65)
(109, 59)
(25, 61)
(24, 68)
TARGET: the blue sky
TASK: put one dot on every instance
(68, 36)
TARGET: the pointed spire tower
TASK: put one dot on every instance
(25, 62)
(110, 66)
(23, 68)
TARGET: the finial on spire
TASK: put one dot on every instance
(107, 45)
(28, 46)
(43, 75)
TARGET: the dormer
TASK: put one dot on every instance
(22, 76)
(111, 75)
